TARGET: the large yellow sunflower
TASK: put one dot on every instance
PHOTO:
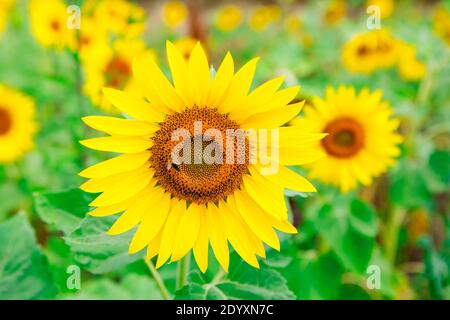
(362, 141)
(369, 51)
(49, 23)
(17, 124)
(179, 206)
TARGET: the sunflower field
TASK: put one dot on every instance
(313, 162)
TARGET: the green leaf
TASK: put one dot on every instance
(24, 271)
(242, 282)
(349, 228)
(439, 163)
(63, 210)
(97, 251)
(131, 287)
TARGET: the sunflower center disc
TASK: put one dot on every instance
(5, 121)
(202, 171)
(118, 71)
(345, 138)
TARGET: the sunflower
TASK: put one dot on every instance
(263, 16)
(5, 7)
(89, 41)
(293, 24)
(362, 141)
(441, 24)
(334, 12)
(111, 67)
(386, 7)
(229, 18)
(174, 13)
(49, 23)
(120, 17)
(179, 206)
(17, 125)
(409, 67)
(369, 51)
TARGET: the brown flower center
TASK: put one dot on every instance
(55, 25)
(5, 121)
(345, 138)
(117, 73)
(205, 163)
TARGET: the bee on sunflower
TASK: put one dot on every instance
(17, 124)
(362, 141)
(179, 207)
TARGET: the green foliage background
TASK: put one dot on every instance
(400, 224)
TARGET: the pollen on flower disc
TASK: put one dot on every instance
(199, 181)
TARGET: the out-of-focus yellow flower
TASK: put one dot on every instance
(362, 141)
(174, 13)
(5, 8)
(114, 70)
(417, 224)
(441, 22)
(49, 23)
(408, 66)
(263, 16)
(334, 12)
(229, 18)
(293, 24)
(386, 7)
(17, 124)
(369, 51)
(185, 46)
(89, 41)
(120, 17)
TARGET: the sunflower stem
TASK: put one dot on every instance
(391, 233)
(159, 281)
(183, 271)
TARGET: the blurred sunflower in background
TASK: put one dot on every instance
(174, 13)
(369, 51)
(185, 45)
(228, 18)
(410, 68)
(17, 124)
(201, 203)
(120, 17)
(5, 8)
(386, 7)
(335, 12)
(441, 23)
(113, 70)
(263, 16)
(362, 141)
(49, 23)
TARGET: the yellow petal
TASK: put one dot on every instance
(122, 127)
(179, 70)
(148, 200)
(221, 81)
(152, 222)
(133, 106)
(187, 232)
(123, 191)
(250, 211)
(291, 180)
(292, 156)
(201, 245)
(157, 88)
(217, 236)
(122, 163)
(273, 118)
(153, 247)
(239, 87)
(199, 75)
(178, 208)
(115, 208)
(237, 234)
(257, 98)
(117, 144)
